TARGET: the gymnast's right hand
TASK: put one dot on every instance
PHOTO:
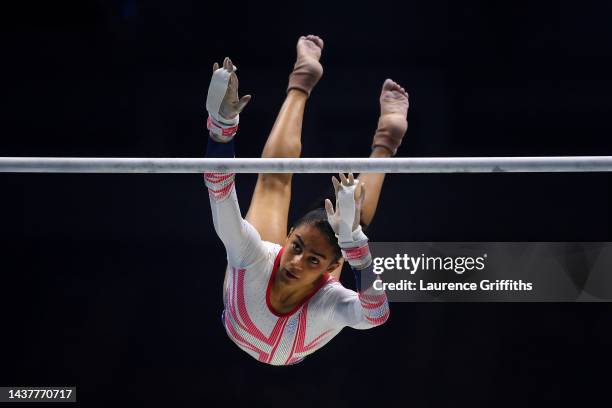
(222, 102)
(344, 220)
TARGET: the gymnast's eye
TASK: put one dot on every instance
(296, 247)
(314, 261)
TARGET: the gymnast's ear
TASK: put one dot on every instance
(332, 266)
(290, 232)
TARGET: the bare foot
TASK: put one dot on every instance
(307, 69)
(394, 102)
(310, 46)
(392, 124)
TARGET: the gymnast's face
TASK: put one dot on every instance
(308, 255)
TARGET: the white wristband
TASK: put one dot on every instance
(221, 132)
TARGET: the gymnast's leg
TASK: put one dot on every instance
(392, 126)
(269, 209)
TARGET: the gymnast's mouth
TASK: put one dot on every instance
(290, 275)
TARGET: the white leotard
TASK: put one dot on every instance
(249, 318)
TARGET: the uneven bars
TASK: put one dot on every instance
(307, 165)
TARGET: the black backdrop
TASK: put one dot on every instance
(112, 283)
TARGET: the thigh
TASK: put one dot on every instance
(269, 209)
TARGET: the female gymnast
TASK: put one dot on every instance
(282, 298)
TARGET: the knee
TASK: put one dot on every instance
(275, 181)
(285, 147)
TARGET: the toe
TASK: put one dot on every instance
(389, 85)
(320, 42)
(315, 39)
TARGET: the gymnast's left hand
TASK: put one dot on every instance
(231, 105)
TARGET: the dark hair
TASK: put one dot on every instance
(318, 219)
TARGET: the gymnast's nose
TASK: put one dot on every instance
(297, 263)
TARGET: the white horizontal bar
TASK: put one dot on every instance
(306, 165)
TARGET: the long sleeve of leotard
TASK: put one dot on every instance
(242, 242)
(363, 309)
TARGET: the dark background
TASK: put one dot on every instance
(112, 283)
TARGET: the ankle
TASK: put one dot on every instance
(381, 152)
(390, 132)
(305, 75)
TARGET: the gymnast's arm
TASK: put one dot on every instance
(368, 307)
(241, 240)
(365, 308)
